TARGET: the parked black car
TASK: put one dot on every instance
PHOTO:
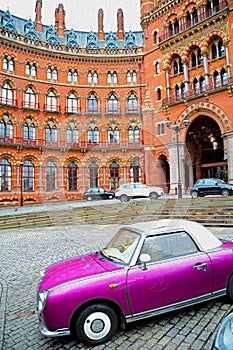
(224, 337)
(205, 187)
(97, 193)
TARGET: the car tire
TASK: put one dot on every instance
(230, 289)
(225, 193)
(124, 198)
(96, 324)
(194, 194)
(153, 195)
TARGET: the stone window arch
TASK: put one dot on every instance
(72, 133)
(28, 176)
(113, 133)
(51, 132)
(92, 103)
(132, 103)
(6, 128)
(29, 130)
(72, 176)
(7, 94)
(5, 175)
(50, 176)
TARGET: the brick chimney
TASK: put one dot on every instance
(60, 20)
(38, 23)
(101, 24)
(120, 24)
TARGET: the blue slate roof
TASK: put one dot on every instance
(72, 37)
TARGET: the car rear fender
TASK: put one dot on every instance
(222, 265)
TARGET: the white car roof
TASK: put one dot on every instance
(204, 238)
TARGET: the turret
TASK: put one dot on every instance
(60, 20)
(120, 24)
(146, 6)
(38, 23)
(101, 24)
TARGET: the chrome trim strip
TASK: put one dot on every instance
(47, 333)
(175, 306)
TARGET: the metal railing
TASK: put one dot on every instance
(20, 141)
(197, 19)
(196, 92)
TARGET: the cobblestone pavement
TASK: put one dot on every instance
(24, 253)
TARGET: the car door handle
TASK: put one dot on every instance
(201, 266)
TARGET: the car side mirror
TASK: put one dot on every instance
(144, 258)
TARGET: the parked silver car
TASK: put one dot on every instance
(137, 190)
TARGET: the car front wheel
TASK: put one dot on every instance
(225, 193)
(194, 194)
(124, 198)
(96, 324)
(153, 195)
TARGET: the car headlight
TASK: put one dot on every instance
(224, 337)
(42, 299)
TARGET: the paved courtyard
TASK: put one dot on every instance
(24, 253)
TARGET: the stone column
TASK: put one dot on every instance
(173, 163)
(228, 62)
(206, 70)
(186, 76)
(167, 84)
(228, 146)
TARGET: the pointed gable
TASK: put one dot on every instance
(130, 39)
(7, 22)
(29, 30)
(51, 35)
(92, 40)
(72, 38)
(111, 40)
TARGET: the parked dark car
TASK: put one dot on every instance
(224, 337)
(206, 187)
(95, 193)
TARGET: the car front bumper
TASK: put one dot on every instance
(47, 333)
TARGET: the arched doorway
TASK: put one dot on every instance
(164, 180)
(114, 175)
(205, 146)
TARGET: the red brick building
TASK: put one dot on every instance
(187, 59)
(85, 109)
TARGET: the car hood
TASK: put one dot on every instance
(74, 269)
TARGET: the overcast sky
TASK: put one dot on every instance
(80, 14)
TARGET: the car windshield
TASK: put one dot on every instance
(122, 246)
(221, 181)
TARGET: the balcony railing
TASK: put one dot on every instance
(52, 108)
(72, 110)
(20, 141)
(8, 101)
(196, 92)
(182, 27)
(30, 105)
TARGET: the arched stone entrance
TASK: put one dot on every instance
(204, 143)
(208, 142)
(163, 172)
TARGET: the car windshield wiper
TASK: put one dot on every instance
(110, 257)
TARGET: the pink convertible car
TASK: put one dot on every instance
(147, 269)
